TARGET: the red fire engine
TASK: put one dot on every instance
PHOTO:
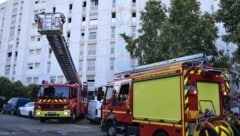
(179, 97)
(55, 100)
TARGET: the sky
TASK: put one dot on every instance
(1, 1)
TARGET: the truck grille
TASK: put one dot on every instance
(52, 106)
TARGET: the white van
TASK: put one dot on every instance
(94, 111)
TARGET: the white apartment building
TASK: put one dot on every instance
(91, 30)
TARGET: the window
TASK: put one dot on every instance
(48, 67)
(123, 93)
(91, 65)
(113, 3)
(84, 4)
(133, 31)
(30, 65)
(35, 80)
(33, 38)
(37, 65)
(82, 35)
(134, 14)
(83, 19)
(29, 80)
(80, 65)
(93, 22)
(52, 79)
(70, 6)
(113, 32)
(31, 52)
(112, 49)
(92, 35)
(38, 51)
(113, 15)
(68, 35)
(111, 64)
(9, 54)
(60, 79)
(92, 49)
(81, 50)
(69, 20)
(54, 9)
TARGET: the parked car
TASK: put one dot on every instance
(27, 110)
(94, 111)
(11, 107)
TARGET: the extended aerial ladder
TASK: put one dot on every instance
(51, 25)
(193, 59)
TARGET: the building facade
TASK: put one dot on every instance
(91, 30)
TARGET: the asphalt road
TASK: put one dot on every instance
(21, 126)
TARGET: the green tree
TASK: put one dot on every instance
(147, 48)
(190, 31)
(10, 89)
(6, 87)
(165, 34)
(229, 14)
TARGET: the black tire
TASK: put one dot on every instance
(18, 113)
(210, 132)
(12, 112)
(73, 117)
(30, 115)
(160, 133)
(3, 112)
(42, 120)
(235, 130)
(111, 129)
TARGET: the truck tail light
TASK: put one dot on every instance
(193, 92)
(225, 93)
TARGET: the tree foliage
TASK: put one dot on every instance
(10, 89)
(147, 47)
(169, 33)
(229, 14)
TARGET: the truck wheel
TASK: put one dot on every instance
(160, 133)
(73, 117)
(235, 130)
(42, 120)
(111, 129)
(207, 131)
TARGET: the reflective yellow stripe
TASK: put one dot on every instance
(158, 123)
(192, 72)
(117, 112)
(199, 72)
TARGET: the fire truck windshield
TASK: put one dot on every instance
(54, 92)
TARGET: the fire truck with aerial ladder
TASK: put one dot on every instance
(178, 97)
(59, 100)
